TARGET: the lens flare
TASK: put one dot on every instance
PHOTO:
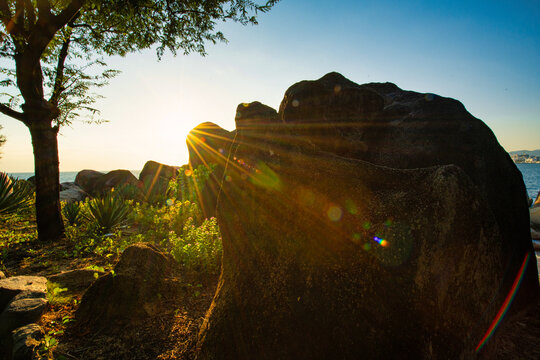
(506, 304)
(380, 241)
(334, 213)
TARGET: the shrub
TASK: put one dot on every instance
(71, 212)
(107, 213)
(188, 183)
(15, 194)
(198, 247)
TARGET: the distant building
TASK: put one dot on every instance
(525, 159)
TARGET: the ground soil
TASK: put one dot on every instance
(170, 334)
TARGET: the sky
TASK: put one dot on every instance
(485, 54)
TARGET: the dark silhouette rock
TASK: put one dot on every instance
(208, 145)
(142, 279)
(385, 125)
(329, 256)
(87, 178)
(156, 176)
(153, 169)
(114, 179)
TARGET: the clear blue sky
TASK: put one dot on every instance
(484, 53)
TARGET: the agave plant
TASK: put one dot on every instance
(14, 194)
(108, 213)
(71, 212)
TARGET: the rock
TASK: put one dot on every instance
(25, 340)
(72, 192)
(156, 177)
(326, 255)
(536, 242)
(153, 170)
(20, 312)
(2, 275)
(385, 125)
(209, 144)
(76, 280)
(14, 285)
(87, 178)
(143, 278)
(114, 179)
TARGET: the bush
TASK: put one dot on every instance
(71, 212)
(180, 229)
(15, 195)
(199, 247)
(107, 213)
(188, 183)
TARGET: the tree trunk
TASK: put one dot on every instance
(48, 212)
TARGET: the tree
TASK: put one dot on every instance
(52, 44)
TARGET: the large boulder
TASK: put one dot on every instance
(114, 179)
(209, 145)
(86, 179)
(96, 183)
(385, 125)
(156, 177)
(329, 256)
(142, 279)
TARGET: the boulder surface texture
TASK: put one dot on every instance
(364, 221)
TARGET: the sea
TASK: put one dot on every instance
(530, 172)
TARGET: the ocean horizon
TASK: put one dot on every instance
(530, 173)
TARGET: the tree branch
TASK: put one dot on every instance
(6, 110)
(30, 14)
(59, 78)
(68, 13)
(44, 10)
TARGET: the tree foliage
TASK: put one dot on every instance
(57, 49)
(72, 37)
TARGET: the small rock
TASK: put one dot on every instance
(2, 275)
(11, 286)
(20, 312)
(78, 279)
(25, 340)
(72, 192)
